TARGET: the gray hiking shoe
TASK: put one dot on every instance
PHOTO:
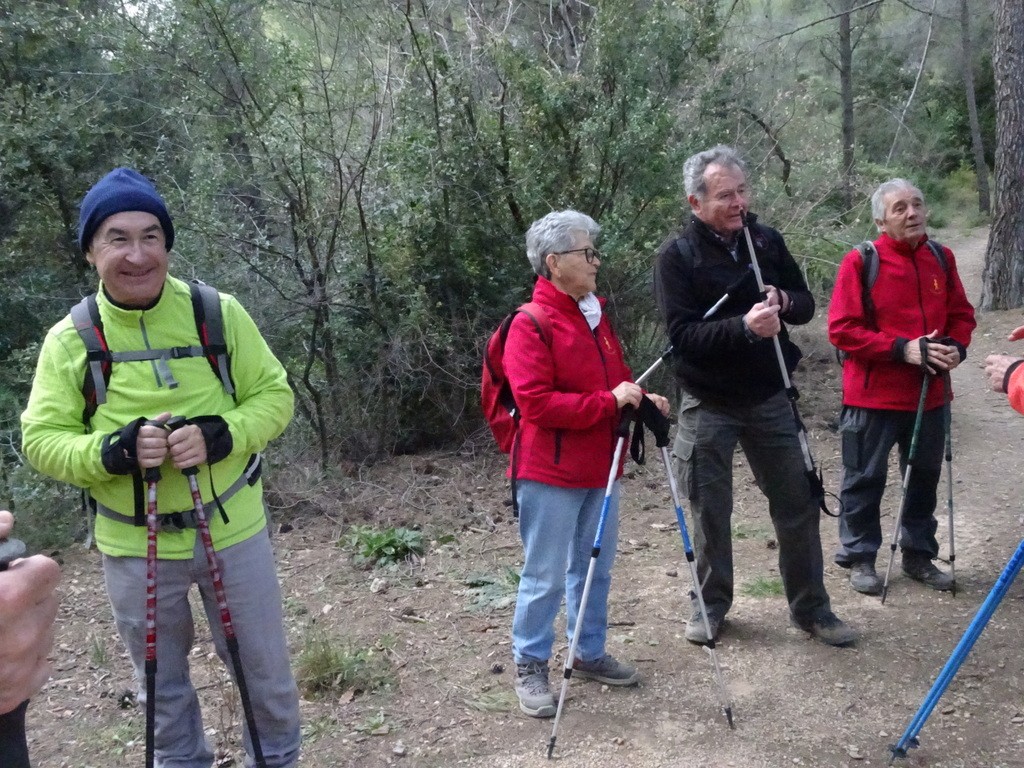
(921, 568)
(533, 690)
(864, 579)
(828, 628)
(695, 631)
(607, 670)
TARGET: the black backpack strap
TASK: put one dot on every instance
(210, 326)
(868, 276)
(85, 316)
(940, 255)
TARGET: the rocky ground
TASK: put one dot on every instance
(796, 702)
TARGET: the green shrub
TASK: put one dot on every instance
(371, 546)
(327, 665)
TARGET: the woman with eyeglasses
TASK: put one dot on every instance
(570, 381)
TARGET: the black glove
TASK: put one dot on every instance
(118, 450)
(216, 435)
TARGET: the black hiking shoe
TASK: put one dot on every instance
(607, 670)
(828, 628)
(863, 578)
(533, 689)
(921, 568)
(695, 631)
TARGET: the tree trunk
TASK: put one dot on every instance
(846, 97)
(1003, 278)
(978, 149)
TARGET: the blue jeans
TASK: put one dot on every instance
(558, 526)
(254, 599)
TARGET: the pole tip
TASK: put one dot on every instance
(728, 716)
(551, 747)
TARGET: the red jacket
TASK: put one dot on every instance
(568, 412)
(913, 296)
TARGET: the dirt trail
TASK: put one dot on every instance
(796, 702)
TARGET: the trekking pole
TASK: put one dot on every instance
(909, 738)
(659, 425)
(13, 739)
(230, 639)
(948, 386)
(814, 478)
(622, 431)
(911, 455)
(152, 476)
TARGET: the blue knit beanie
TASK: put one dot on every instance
(121, 190)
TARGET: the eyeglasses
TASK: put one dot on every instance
(590, 254)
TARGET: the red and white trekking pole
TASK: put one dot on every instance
(230, 638)
(152, 476)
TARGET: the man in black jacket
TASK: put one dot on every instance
(733, 392)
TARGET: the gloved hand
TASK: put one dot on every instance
(119, 451)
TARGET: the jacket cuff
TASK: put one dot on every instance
(216, 435)
(899, 349)
(118, 451)
(1009, 372)
(751, 336)
(960, 348)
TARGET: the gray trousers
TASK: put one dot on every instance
(254, 600)
(868, 436)
(705, 444)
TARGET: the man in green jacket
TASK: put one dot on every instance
(126, 233)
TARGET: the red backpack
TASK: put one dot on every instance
(496, 400)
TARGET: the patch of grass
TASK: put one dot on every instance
(372, 546)
(763, 587)
(374, 725)
(747, 531)
(491, 592)
(493, 701)
(117, 740)
(327, 666)
(318, 727)
(98, 655)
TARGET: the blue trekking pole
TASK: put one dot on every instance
(909, 739)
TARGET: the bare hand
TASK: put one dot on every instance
(151, 445)
(941, 357)
(763, 320)
(660, 402)
(28, 606)
(995, 369)
(1017, 333)
(187, 446)
(776, 297)
(627, 393)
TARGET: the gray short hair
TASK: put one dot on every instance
(556, 232)
(878, 198)
(695, 167)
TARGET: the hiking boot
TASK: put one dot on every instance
(695, 631)
(921, 568)
(607, 670)
(533, 690)
(864, 579)
(830, 629)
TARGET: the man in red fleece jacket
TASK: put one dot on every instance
(909, 329)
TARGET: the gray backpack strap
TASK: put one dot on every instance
(210, 325)
(869, 256)
(85, 316)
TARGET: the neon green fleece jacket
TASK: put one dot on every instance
(58, 444)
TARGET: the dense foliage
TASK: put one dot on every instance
(361, 174)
